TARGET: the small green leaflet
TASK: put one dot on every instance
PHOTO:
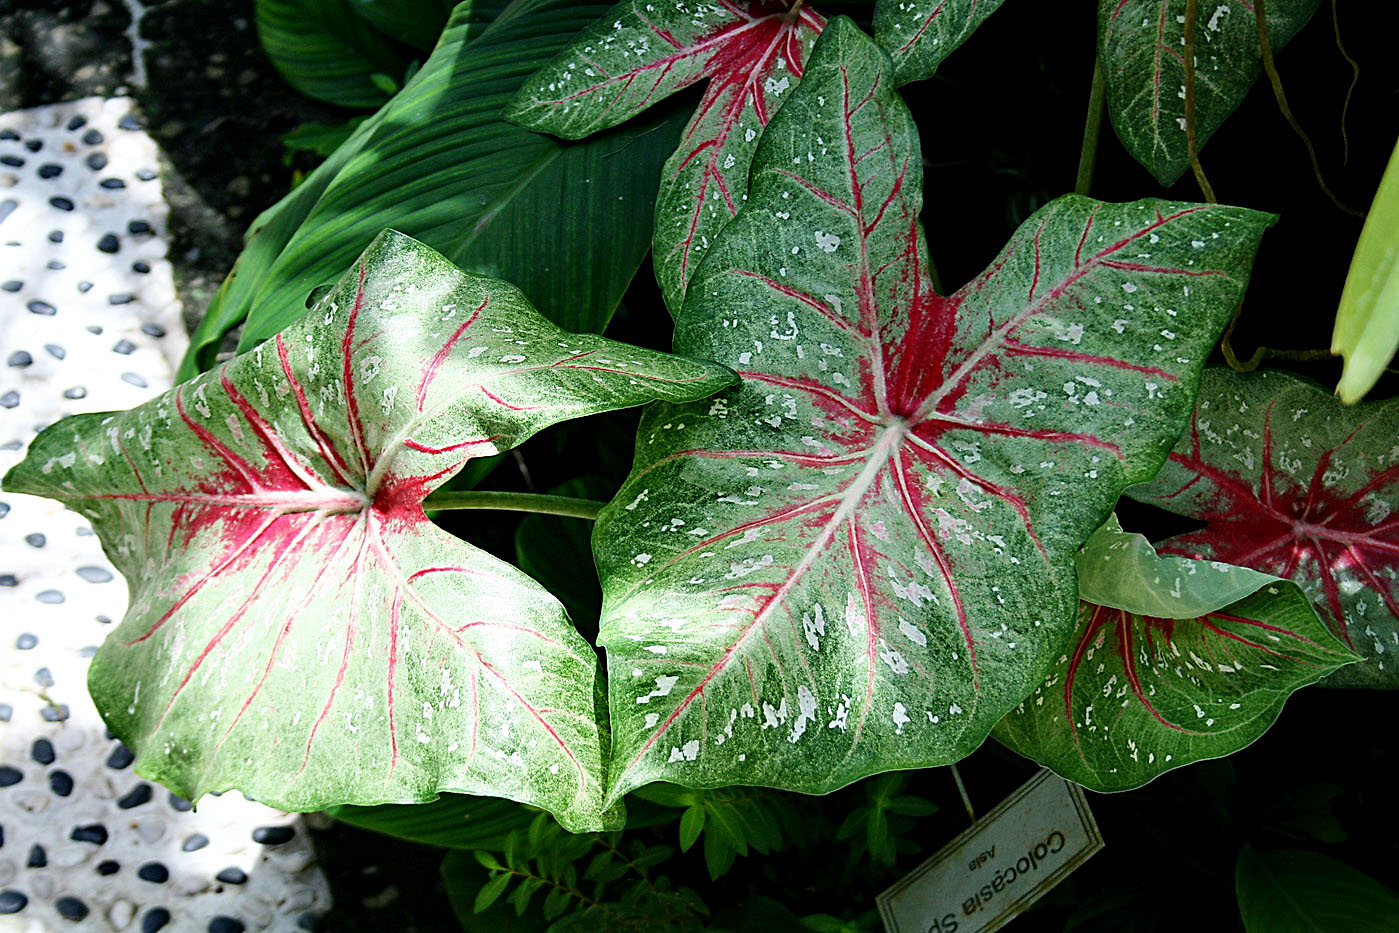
(863, 556)
(1292, 482)
(1173, 661)
(919, 34)
(298, 629)
(1140, 46)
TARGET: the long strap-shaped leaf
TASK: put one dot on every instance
(1141, 44)
(298, 629)
(1173, 661)
(1294, 483)
(862, 557)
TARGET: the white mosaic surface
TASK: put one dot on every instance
(89, 321)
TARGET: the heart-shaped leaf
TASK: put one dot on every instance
(1294, 483)
(1141, 46)
(752, 54)
(298, 629)
(1173, 661)
(863, 556)
(919, 34)
(440, 163)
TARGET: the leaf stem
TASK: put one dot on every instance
(1092, 126)
(516, 502)
(1192, 15)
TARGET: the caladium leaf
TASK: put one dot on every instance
(1292, 482)
(919, 34)
(862, 557)
(752, 52)
(1173, 661)
(1141, 48)
(298, 629)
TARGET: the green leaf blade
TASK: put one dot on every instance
(298, 629)
(1367, 322)
(1136, 694)
(326, 51)
(920, 35)
(861, 557)
(1295, 891)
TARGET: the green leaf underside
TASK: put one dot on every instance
(326, 51)
(1295, 891)
(860, 558)
(751, 53)
(1141, 47)
(1181, 660)
(919, 34)
(1292, 482)
(458, 821)
(298, 629)
(440, 163)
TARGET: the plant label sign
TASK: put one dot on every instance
(1000, 866)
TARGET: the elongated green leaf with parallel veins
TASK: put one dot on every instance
(440, 163)
(919, 34)
(1173, 661)
(298, 629)
(751, 51)
(1141, 46)
(862, 557)
(326, 51)
(1294, 483)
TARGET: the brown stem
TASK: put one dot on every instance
(1260, 14)
(1354, 80)
(1226, 347)
(1192, 15)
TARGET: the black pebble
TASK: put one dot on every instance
(232, 876)
(50, 597)
(111, 184)
(97, 161)
(7, 207)
(58, 713)
(8, 579)
(85, 287)
(152, 330)
(62, 203)
(154, 920)
(108, 867)
(41, 307)
(154, 872)
(145, 174)
(55, 351)
(38, 858)
(309, 921)
(95, 574)
(141, 267)
(55, 265)
(124, 347)
(8, 135)
(10, 776)
(109, 243)
(55, 236)
(194, 843)
(120, 757)
(12, 161)
(26, 642)
(19, 358)
(129, 122)
(273, 835)
(6, 711)
(180, 804)
(137, 227)
(35, 540)
(13, 285)
(105, 620)
(75, 392)
(61, 783)
(42, 749)
(222, 924)
(140, 794)
(44, 677)
(77, 123)
(94, 833)
(9, 400)
(12, 902)
(49, 170)
(121, 299)
(94, 328)
(33, 145)
(93, 138)
(70, 908)
(134, 379)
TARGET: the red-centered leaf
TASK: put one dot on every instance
(298, 629)
(751, 51)
(1141, 47)
(862, 557)
(1173, 661)
(1294, 483)
(919, 34)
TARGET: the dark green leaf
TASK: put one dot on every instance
(490, 892)
(1294, 891)
(691, 825)
(326, 51)
(458, 821)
